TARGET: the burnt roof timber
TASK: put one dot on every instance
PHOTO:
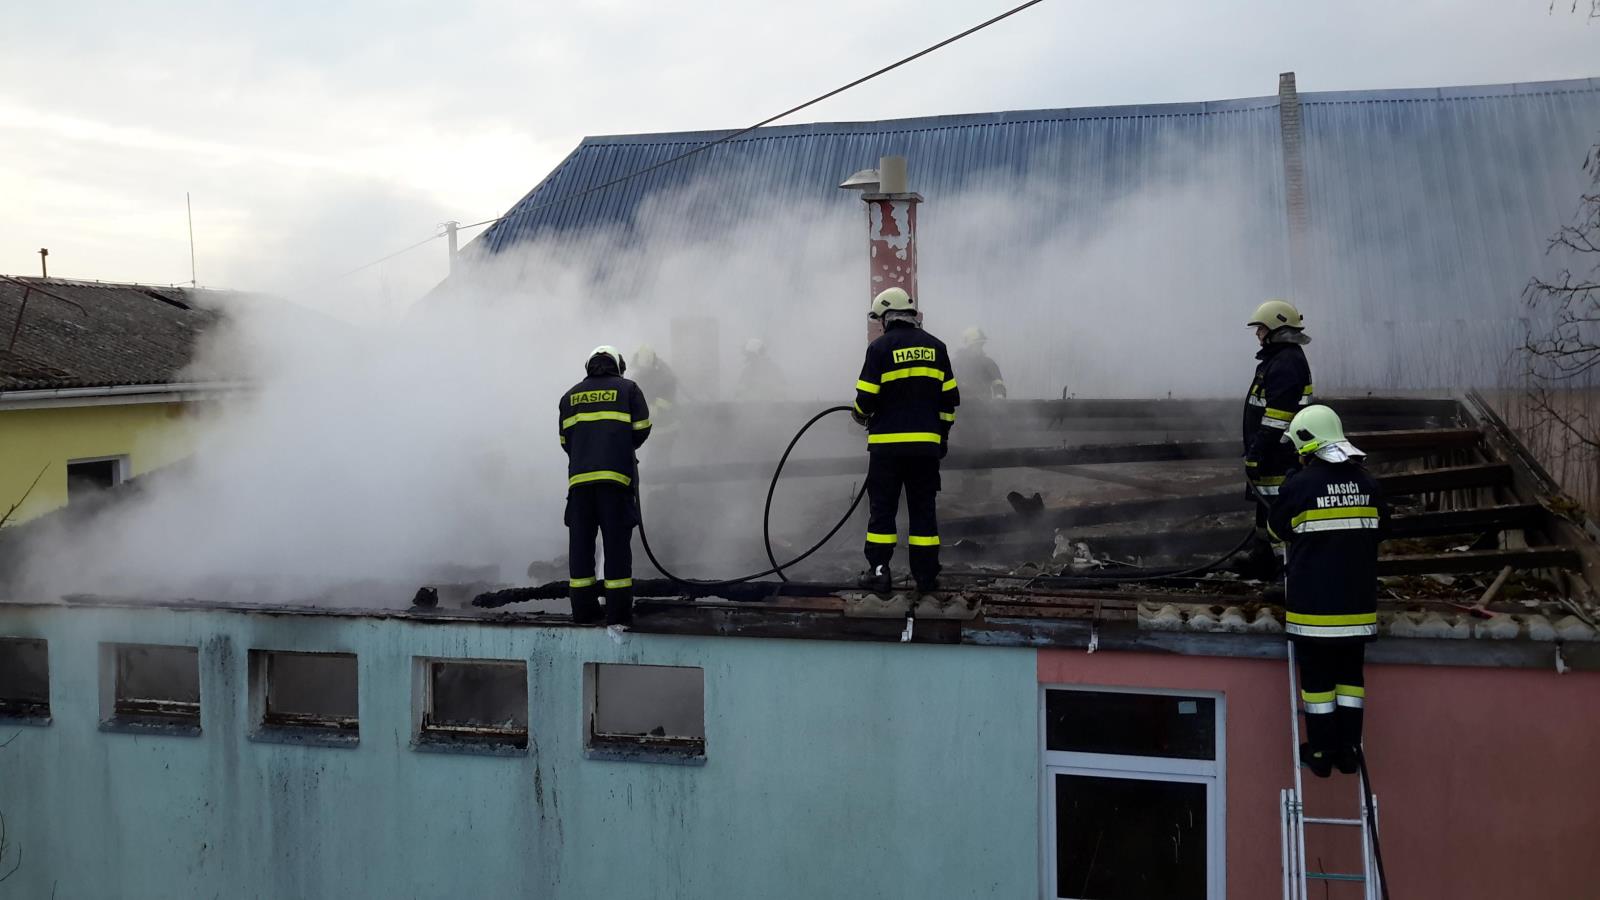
(1393, 444)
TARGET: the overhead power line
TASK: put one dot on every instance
(721, 140)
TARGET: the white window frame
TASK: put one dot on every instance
(120, 470)
(1210, 772)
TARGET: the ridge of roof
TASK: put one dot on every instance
(1127, 111)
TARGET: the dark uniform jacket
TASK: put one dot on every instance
(1281, 387)
(1333, 518)
(984, 372)
(907, 389)
(604, 418)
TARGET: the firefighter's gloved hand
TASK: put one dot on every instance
(860, 418)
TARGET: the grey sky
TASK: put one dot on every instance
(316, 137)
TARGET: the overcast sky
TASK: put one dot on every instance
(317, 136)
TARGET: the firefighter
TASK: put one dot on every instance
(660, 386)
(1282, 386)
(906, 397)
(1333, 518)
(604, 419)
(980, 368)
(759, 378)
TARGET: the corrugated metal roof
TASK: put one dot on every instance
(1426, 206)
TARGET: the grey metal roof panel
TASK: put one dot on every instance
(1425, 205)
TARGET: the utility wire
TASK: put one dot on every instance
(767, 121)
(722, 140)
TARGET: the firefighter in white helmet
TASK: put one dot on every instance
(604, 418)
(1332, 516)
(906, 396)
(1281, 387)
(980, 368)
(759, 377)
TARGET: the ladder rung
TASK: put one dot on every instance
(1312, 820)
(1335, 876)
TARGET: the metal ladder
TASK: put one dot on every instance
(1292, 828)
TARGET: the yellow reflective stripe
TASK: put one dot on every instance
(905, 437)
(950, 385)
(1344, 512)
(614, 583)
(641, 425)
(586, 477)
(912, 372)
(1306, 392)
(1349, 690)
(949, 417)
(917, 540)
(1279, 414)
(1295, 618)
(858, 409)
(1268, 479)
(1251, 464)
(563, 438)
(608, 416)
(866, 386)
(1317, 696)
(580, 582)
(876, 538)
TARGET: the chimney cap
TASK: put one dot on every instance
(864, 180)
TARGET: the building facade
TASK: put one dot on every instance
(784, 767)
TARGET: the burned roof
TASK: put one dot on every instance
(1123, 549)
(57, 333)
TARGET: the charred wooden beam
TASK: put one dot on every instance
(1446, 479)
(1095, 514)
(1397, 443)
(1480, 561)
(1510, 517)
(1396, 485)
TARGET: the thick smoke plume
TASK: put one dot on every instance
(392, 452)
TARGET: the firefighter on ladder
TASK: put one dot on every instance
(906, 397)
(604, 419)
(1332, 517)
(1281, 387)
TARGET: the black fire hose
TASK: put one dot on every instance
(766, 522)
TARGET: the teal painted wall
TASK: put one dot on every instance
(833, 770)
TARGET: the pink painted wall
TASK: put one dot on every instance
(1488, 780)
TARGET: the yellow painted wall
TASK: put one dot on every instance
(151, 435)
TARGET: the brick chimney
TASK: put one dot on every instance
(891, 234)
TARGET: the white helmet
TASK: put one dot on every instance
(1275, 314)
(644, 356)
(755, 347)
(1317, 430)
(608, 350)
(891, 300)
(974, 337)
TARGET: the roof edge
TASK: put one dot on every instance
(1181, 108)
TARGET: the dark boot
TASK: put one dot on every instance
(876, 579)
(1347, 759)
(585, 605)
(619, 606)
(1320, 764)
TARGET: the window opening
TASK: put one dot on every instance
(310, 695)
(475, 702)
(155, 685)
(88, 477)
(648, 708)
(24, 679)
